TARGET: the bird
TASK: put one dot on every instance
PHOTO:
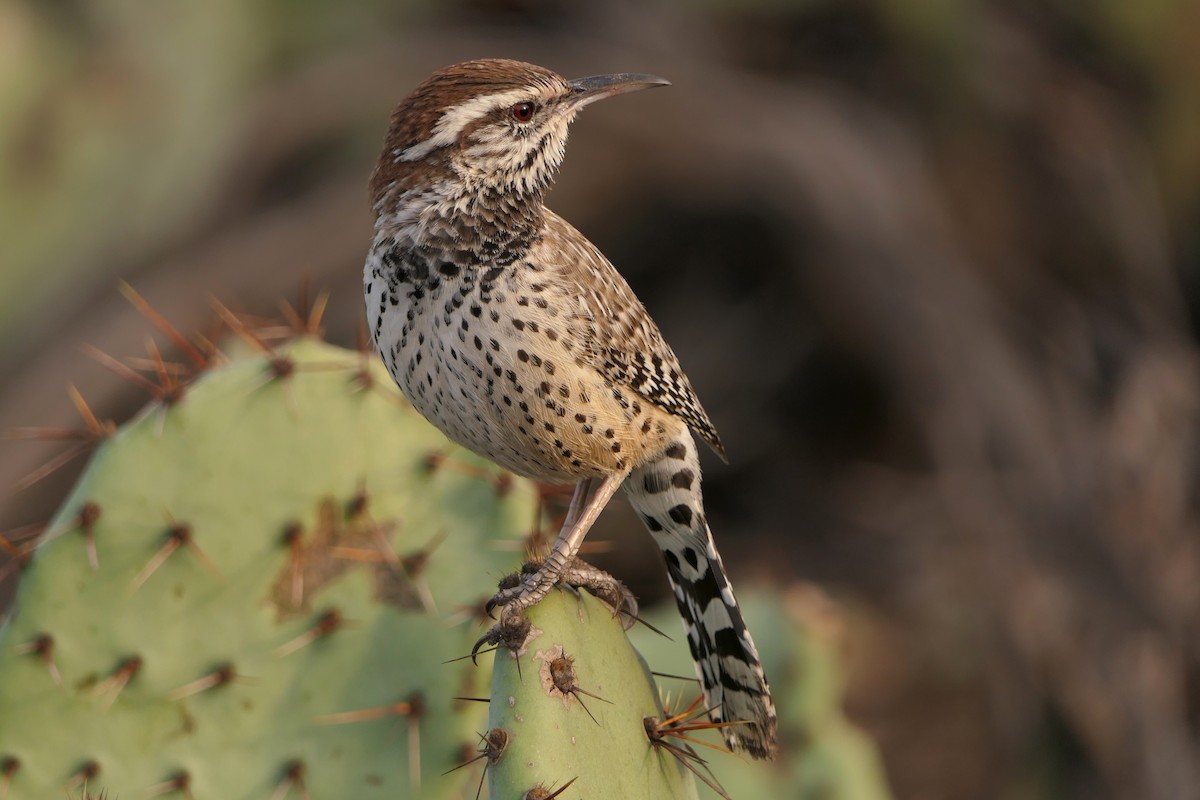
(514, 335)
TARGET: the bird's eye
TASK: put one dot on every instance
(522, 112)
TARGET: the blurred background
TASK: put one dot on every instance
(933, 268)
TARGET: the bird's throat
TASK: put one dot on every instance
(470, 225)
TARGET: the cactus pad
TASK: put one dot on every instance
(248, 593)
(574, 705)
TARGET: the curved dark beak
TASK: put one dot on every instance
(598, 87)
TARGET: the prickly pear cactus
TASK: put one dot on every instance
(251, 593)
(577, 705)
(823, 756)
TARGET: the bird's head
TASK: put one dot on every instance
(491, 125)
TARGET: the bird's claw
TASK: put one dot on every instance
(510, 632)
(512, 587)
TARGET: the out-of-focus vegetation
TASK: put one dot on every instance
(933, 267)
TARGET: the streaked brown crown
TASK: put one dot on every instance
(415, 118)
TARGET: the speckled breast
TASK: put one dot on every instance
(492, 357)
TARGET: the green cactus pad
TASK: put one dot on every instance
(597, 738)
(276, 569)
(822, 755)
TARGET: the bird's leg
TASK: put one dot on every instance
(590, 498)
(577, 573)
(578, 498)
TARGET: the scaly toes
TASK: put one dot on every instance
(580, 574)
(519, 591)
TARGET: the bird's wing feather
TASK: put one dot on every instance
(621, 341)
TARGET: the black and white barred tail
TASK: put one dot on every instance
(666, 493)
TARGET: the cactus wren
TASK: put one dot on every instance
(514, 335)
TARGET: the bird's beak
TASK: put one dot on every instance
(598, 87)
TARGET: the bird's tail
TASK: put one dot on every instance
(666, 493)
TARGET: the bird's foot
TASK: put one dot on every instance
(522, 590)
(581, 575)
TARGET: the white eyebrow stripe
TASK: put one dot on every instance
(458, 117)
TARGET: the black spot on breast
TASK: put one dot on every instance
(689, 555)
(676, 451)
(448, 268)
(655, 526)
